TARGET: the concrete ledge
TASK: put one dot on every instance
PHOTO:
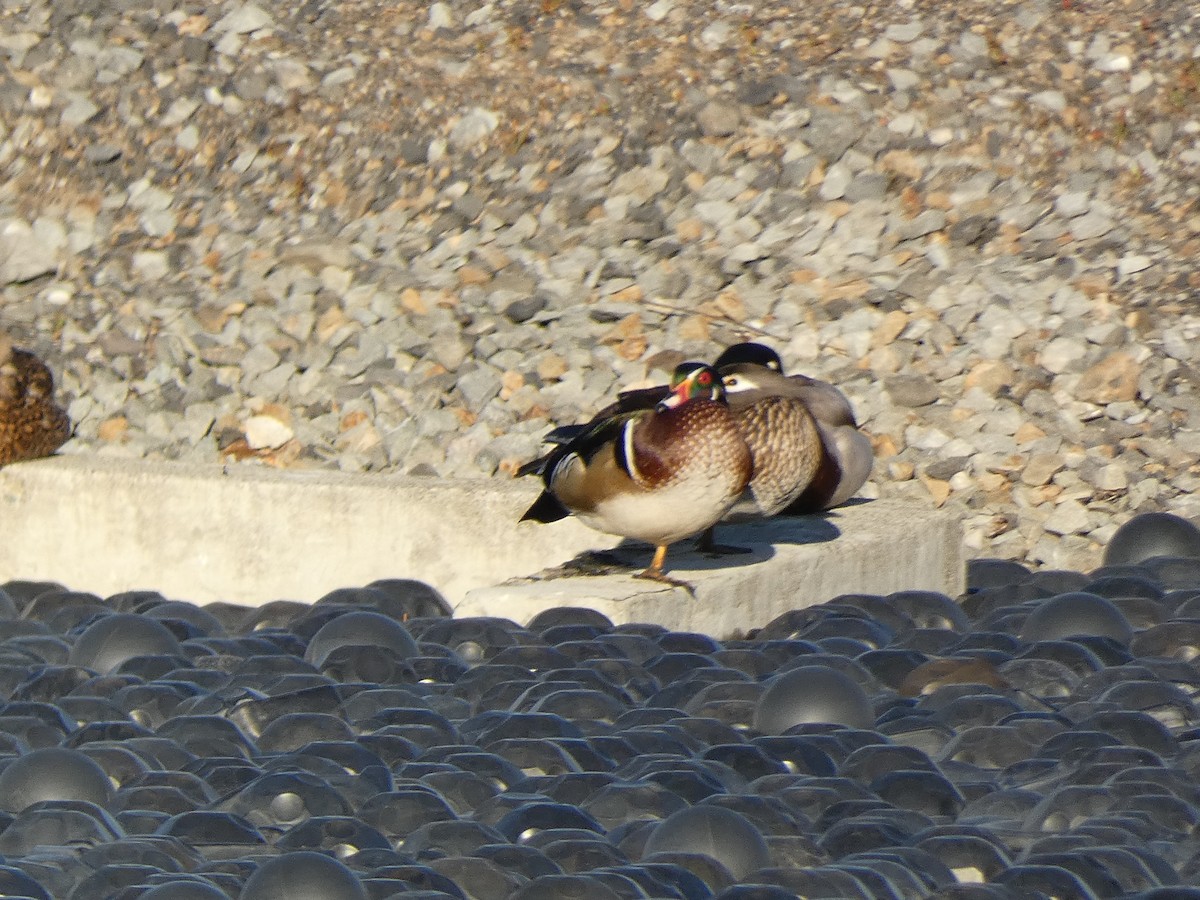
(874, 547)
(250, 535)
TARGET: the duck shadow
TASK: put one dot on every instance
(746, 543)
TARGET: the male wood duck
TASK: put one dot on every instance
(658, 475)
(847, 455)
(31, 423)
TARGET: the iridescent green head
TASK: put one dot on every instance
(692, 381)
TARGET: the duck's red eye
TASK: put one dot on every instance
(705, 378)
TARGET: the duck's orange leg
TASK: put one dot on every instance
(655, 571)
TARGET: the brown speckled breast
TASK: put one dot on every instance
(785, 446)
(698, 438)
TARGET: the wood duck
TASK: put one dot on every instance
(847, 455)
(657, 475)
(31, 423)
(782, 436)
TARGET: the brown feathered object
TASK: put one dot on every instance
(31, 423)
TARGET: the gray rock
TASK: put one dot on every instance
(28, 252)
(1091, 225)
(473, 128)
(244, 19)
(911, 390)
(718, 119)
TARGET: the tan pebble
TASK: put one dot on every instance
(902, 162)
(633, 348)
(990, 376)
(631, 294)
(938, 489)
(352, 419)
(885, 445)
(900, 470)
(113, 429)
(1041, 468)
(629, 326)
(690, 230)
(1112, 478)
(890, 328)
(992, 481)
(884, 361)
(473, 275)
(551, 367)
(1112, 380)
(1027, 433)
(694, 328)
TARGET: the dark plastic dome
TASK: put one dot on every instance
(52, 773)
(1152, 534)
(114, 639)
(1076, 614)
(360, 629)
(812, 694)
(303, 875)
(712, 831)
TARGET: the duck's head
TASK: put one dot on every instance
(749, 352)
(693, 381)
(742, 378)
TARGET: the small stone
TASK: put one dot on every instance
(1054, 101)
(1072, 204)
(911, 390)
(99, 154)
(113, 429)
(28, 252)
(903, 79)
(945, 469)
(1128, 265)
(525, 308)
(244, 19)
(153, 265)
(991, 376)
(77, 112)
(835, 183)
(266, 432)
(658, 10)
(478, 387)
(1061, 353)
(1111, 380)
(440, 16)
(1111, 477)
(927, 222)
(1090, 225)
(1069, 517)
(473, 128)
(1041, 468)
(904, 33)
(717, 119)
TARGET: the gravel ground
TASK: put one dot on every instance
(413, 237)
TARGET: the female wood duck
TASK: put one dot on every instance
(846, 453)
(658, 475)
(31, 423)
(782, 436)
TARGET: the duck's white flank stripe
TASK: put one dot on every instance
(630, 459)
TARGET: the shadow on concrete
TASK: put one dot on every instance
(750, 542)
